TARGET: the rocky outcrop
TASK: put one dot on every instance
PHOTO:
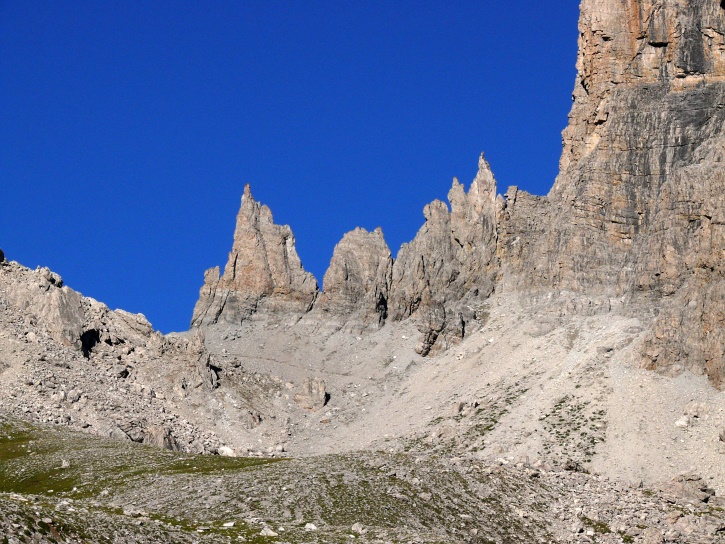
(359, 277)
(312, 396)
(151, 435)
(199, 371)
(263, 269)
(431, 325)
(451, 263)
(69, 317)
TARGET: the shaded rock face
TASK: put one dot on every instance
(359, 277)
(639, 200)
(634, 219)
(263, 267)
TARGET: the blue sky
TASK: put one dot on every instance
(128, 129)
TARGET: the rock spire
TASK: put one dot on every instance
(263, 269)
(359, 277)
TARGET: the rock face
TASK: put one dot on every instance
(359, 277)
(451, 262)
(263, 269)
(635, 219)
(638, 205)
(636, 214)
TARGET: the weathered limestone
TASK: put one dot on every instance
(451, 261)
(70, 318)
(641, 179)
(263, 268)
(634, 220)
(358, 279)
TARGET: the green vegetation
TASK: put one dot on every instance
(32, 461)
(575, 429)
(599, 527)
(63, 486)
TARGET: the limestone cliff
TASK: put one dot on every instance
(634, 220)
(636, 211)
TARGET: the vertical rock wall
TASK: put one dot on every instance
(636, 209)
(635, 213)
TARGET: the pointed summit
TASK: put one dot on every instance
(483, 188)
(263, 265)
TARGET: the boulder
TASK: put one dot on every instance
(692, 487)
(312, 396)
(161, 437)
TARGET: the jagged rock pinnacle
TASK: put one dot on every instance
(263, 266)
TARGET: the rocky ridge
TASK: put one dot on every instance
(634, 219)
(508, 347)
(438, 277)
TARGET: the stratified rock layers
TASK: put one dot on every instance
(636, 212)
(636, 215)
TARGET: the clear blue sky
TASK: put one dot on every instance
(128, 129)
